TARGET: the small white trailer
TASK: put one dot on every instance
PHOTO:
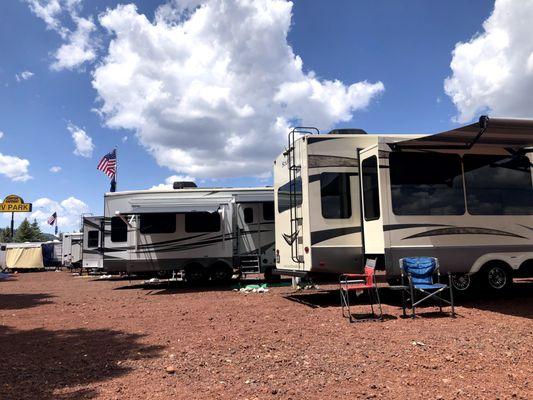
(71, 249)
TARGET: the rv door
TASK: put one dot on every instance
(371, 216)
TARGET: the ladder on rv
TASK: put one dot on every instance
(295, 190)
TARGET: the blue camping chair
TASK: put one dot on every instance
(420, 272)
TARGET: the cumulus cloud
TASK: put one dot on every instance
(55, 169)
(83, 143)
(14, 168)
(493, 71)
(211, 87)
(1, 134)
(79, 43)
(69, 212)
(169, 182)
(24, 76)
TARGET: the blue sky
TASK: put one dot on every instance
(405, 45)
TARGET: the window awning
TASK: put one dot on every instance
(507, 133)
(173, 205)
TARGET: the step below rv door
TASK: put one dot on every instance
(372, 216)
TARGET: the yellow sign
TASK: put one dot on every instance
(14, 203)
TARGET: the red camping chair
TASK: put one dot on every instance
(360, 282)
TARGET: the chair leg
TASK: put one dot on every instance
(451, 296)
(371, 297)
(412, 302)
(379, 304)
(403, 303)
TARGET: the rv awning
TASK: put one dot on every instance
(509, 133)
(254, 197)
(157, 205)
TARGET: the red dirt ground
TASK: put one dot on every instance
(65, 337)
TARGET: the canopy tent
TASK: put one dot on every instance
(24, 257)
(514, 134)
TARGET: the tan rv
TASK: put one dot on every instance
(464, 196)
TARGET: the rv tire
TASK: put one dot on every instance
(462, 282)
(270, 277)
(498, 276)
(220, 272)
(195, 273)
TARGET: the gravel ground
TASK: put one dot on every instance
(65, 337)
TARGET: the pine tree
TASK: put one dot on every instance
(25, 232)
(5, 235)
(37, 233)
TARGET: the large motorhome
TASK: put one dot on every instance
(71, 249)
(198, 233)
(464, 196)
(92, 255)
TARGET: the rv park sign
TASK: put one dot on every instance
(13, 204)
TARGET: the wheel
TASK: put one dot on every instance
(461, 282)
(498, 277)
(221, 272)
(195, 273)
(270, 277)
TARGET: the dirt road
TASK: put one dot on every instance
(65, 337)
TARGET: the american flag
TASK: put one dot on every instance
(108, 164)
(52, 219)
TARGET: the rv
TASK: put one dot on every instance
(196, 233)
(71, 249)
(92, 256)
(464, 196)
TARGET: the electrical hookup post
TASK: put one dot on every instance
(14, 204)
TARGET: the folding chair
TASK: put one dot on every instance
(420, 273)
(360, 282)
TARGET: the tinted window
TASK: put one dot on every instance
(157, 223)
(498, 185)
(284, 194)
(248, 215)
(119, 230)
(335, 195)
(426, 184)
(268, 211)
(92, 239)
(202, 222)
(369, 176)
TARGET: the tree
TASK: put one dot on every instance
(37, 233)
(26, 232)
(5, 235)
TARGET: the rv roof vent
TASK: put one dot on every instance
(349, 131)
(184, 185)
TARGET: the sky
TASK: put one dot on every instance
(206, 90)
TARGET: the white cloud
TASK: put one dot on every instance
(24, 76)
(124, 139)
(169, 182)
(14, 168)
(1, 134)
(80, 44)
(55, 169)
(494, 70)
(211, 90)
(69, 212)
(83, 143)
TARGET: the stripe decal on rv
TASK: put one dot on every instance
(320, 236)
(463, 231)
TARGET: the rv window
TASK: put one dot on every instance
(119, 230)
(335, 195)
(498, 185)
(248, 215)
(157, 223)
(284, 194)
(268, 211)
(92, 239)
(202, 222)
(426, 184)
(370, 188)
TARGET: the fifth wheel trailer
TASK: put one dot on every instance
(200, 233)
(71, 249)
(464, 196)
(92, 241)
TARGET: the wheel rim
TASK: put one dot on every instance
(461, 282)
(497, 277)
(221, 274)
